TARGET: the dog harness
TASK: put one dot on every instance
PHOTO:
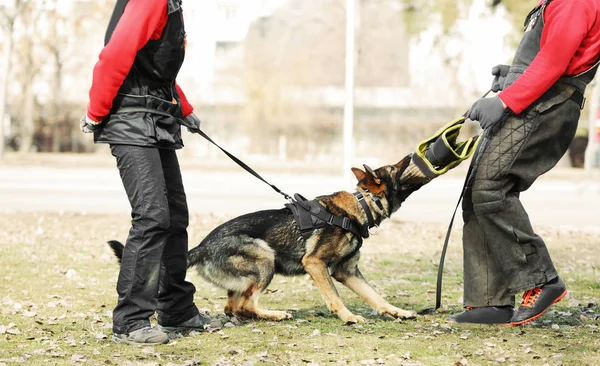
(311, 215)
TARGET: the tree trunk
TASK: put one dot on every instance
(4, 71)
(54, 113)
(27, 127)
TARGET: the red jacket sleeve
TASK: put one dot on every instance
(141, 21)
(566, 25)
(186, 107)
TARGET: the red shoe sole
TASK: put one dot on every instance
(514, 324)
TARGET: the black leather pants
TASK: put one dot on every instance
(153, 268)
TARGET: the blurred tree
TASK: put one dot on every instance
(59, 45)
(418, 13)
(46, 46)
(9, 13)
(31, 58)
(517, 10)
(282, 50)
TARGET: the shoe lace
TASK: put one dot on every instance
(530, 297)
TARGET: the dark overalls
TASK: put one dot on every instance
(502, 253)
(143, 134)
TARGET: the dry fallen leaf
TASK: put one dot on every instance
(78, 358)
(11, 329)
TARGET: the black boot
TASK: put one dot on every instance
(199, 323)
(485, 315)
(535, 302)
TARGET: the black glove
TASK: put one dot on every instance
(488, 111)
(87, 125)
(192, 120)
(499, 72)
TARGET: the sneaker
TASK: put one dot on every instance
(485, 315)
(535, 302)
(199, 323)
(144, 336)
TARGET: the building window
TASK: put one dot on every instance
(227, 11)
(223, 48)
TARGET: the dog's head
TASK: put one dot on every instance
(385, 183)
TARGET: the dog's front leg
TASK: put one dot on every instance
(317, 270)
(349, 275)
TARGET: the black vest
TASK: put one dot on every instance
(147, 106)
(529, 47)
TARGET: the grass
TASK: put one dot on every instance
(57, 291)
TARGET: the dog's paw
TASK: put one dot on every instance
(353, 319)
(274, 315)
(399, 313)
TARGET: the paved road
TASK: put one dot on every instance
(551, 202)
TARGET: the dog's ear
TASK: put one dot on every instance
(359, 174)
(372, 174)
(404, 162)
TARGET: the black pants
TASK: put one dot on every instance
(502, 254)
(153, 268)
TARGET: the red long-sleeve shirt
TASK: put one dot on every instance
(570, 44)
(141, 21)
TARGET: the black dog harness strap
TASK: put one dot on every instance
(311, 215)
(361, 199)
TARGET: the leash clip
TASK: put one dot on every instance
(374, 232)
(287, 197)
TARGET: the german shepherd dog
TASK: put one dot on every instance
(242, 255)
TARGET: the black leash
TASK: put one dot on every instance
(238, 161)
(440, 274)
(194, 129)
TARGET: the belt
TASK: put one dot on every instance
(578, 98)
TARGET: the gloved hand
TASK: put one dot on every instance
(499, 72)
(193, 120)
(87, 125)
(488, 111)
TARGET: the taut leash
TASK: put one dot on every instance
(196, 130)
(245, 166)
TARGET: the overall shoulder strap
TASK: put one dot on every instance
(114, 19)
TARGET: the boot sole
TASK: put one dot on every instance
(515, 324)
(118, 340)
(181, 330)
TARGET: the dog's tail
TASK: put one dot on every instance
(117, 247)
(194, 257)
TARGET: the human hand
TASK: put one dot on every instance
(87, 125)
(499, 72)
(193, 120)
(488, 111)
